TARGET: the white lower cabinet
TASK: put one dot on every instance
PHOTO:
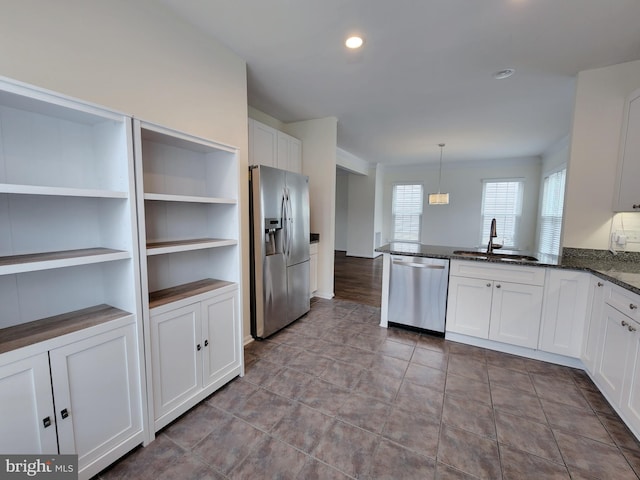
(220, 339)
(566, 294)
(176, 369)
(195, 349)
(94, 385)
(593, 323)
(313, 268)
(97, 395)
(28, 421)
(515, 314)
(617, 366)
(483, 303)
(630, 402)
(469, 306)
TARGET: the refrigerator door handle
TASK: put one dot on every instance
(289, 225)
(285, 215)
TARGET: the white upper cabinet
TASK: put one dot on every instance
(289, 153)
(271, 147)
(627, 193)
(263, 144)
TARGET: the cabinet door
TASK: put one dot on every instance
(295, 155)
(469, 306)
(612, 353)
(263, 144)
(565, 309)
(515, 314)
(592, 331)
(313, 272)
(27, 422)
(175, 359)
(627, 197)
(630, 404)
(97, 391)
(221, 337)
(283, 151)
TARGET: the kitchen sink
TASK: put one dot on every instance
(498, 256)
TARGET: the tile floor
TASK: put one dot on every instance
(334, 396)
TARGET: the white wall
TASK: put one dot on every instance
(595, 142)
(361, 216)
(556, 156)
(342, 209)
(319, 139)
(262, 117)
(351, 163)
(459, 223)
(379, 207)
(135, 57)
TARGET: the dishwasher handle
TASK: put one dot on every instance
(418, 265)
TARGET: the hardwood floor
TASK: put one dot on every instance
(358, 279)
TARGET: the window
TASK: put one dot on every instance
(502, 200)
(551, 212)
(407, 212)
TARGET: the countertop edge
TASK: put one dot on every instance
(608, 274)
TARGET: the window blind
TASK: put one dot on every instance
(407, 211)
(502, 200)
(551, 213)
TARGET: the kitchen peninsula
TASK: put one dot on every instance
(580, 310)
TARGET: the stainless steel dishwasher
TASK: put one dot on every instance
(418, 292)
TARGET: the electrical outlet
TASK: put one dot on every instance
(633, 236)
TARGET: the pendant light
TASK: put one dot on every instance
(439, 198)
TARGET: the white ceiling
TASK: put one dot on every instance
(424, 75)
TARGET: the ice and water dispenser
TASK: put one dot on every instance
(273, 236)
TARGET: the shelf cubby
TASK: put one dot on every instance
(186, 290)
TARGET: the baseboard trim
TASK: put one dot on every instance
(325, 295)
(516, 350)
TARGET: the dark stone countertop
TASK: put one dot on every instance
(314, 238)
(622, 269)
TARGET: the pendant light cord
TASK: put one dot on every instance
(441, 145)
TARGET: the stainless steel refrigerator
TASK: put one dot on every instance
(279, 210)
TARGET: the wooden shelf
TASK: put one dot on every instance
(65, 258)
(173, 294)
(30, 333)
(175, 246)
(60, 191)
(188, 198)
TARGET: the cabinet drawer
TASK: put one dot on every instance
(498, 272)
(623, 300)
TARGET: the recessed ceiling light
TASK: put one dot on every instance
(354, 42)
(506, 73)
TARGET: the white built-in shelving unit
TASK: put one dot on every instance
(189, 230)
(70, 304)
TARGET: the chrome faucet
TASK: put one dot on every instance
(492, 234)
